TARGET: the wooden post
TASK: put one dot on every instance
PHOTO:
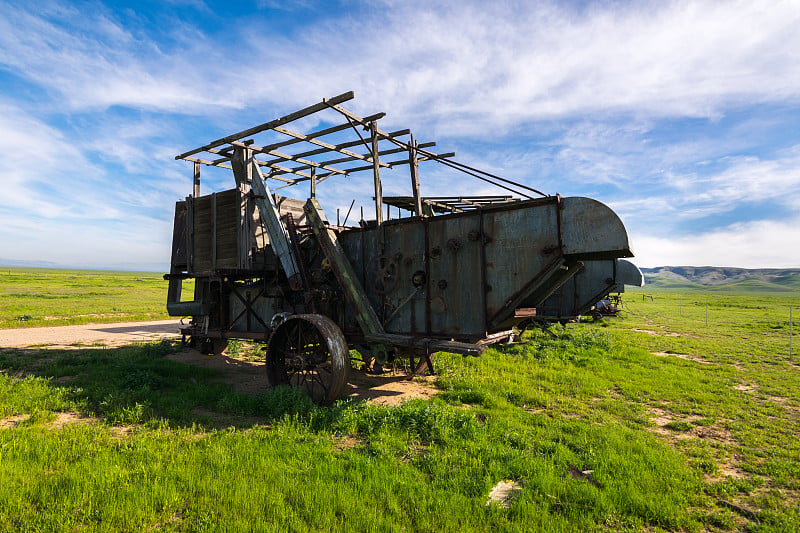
(246, 168)
(313, 182)
(196, 189)
(373, 126)
(213, 231)
(244, 182)
(413, 165)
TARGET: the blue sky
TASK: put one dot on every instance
(683, 116)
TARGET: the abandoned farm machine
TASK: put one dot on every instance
(455, 274)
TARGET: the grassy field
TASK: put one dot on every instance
(49, 297)
(657, 421)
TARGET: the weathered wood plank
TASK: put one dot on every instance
(310, 110)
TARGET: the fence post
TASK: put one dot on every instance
(706, 310)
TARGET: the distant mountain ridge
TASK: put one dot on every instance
(723, 278)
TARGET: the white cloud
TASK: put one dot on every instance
(591, 84)
(759, 244)
(473, 66)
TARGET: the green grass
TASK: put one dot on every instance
(47, 297)
(686, 425)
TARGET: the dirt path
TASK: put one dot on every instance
(61, 337)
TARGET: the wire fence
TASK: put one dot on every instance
(705, 310)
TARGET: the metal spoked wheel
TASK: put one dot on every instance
(309, 352)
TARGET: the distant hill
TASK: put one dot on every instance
(723, 278)
(125, 267)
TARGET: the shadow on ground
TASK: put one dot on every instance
(164, 381)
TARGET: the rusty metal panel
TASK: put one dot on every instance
(456, 296)
(398, 277)
(592, 230)
(523, 244)
(594, 282)
(359, 246)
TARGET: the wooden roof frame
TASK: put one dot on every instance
(280, 159)
(288, 160)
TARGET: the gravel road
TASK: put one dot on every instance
(89, 334)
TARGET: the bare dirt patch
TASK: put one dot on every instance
(221, 420)
(663, 419)
(11, 421)
(245, 376)
(659, 333)
(60, 421)
(390, 388)
(250, 377)
(81, 336)
(666, 423)
(344, 443)
(781, 401)
(685, 357)
(64, 419)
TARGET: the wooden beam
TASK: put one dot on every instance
(207, 163)
(196, 179)
(355, 118)
(319, 133)
(289, 157)
(440, 205)
(310, 110)
(354, 292)
(436, 156)
(245, 168)
(284, 170)
(330, 147)
(343, 145)
(376, 175)
(414, 166)
(349, 159)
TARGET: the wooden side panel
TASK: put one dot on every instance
(216, 223)
(217, 232)
(179, 238)
(227, 228)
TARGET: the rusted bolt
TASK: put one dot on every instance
(550, 249)
(442, 284)
(436, 252)
(453, 245)
(419, 278)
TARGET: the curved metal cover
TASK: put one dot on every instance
(628, 274)
(591, 229)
